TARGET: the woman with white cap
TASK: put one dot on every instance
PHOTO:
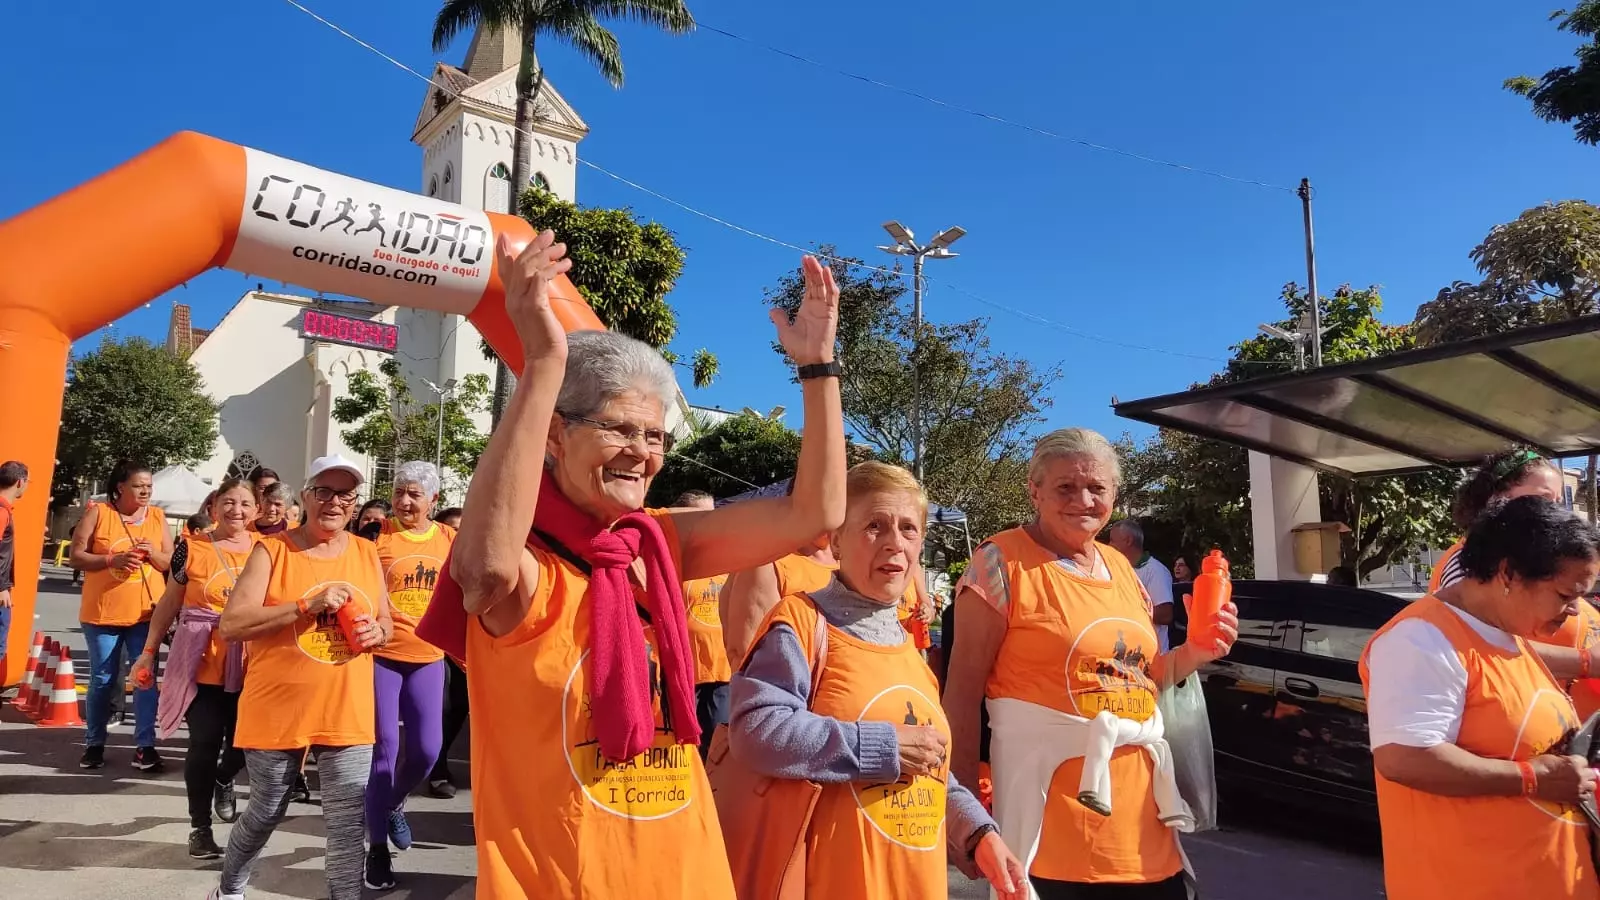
(309, 685)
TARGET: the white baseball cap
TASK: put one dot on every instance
(334, 463)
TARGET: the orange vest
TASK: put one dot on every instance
(561, 821)
(1487, 848)
(305, 686)
(411, 564)
(1582, 632)
(1081, 646)
(705, 630)
(111, 598)
(869, 841)
(212, 573)
(801, 575)
(1444, 560)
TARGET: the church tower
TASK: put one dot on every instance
(465, 130)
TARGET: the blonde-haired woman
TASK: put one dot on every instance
(1056, 637)
(835, 692)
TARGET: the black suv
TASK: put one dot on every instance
(1288, 717)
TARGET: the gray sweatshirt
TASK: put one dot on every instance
(770, 726)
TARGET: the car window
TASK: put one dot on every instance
(1258, 621)
(1339, 628)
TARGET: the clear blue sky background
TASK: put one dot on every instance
(1394, 110)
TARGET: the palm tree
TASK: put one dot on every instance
(578, 23)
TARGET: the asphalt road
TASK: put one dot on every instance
(67, 834)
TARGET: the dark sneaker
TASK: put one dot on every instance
(301, 792)
(202, 846)
(223, 802)
(146, 759)
(380, 869)
(442, 789)
(93, 758)
(399, 830)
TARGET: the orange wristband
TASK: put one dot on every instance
(300, 604)
(1530, 782)
(1585, 663)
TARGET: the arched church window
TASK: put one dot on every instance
(449, 175)
(540, 182)
(433, 186)
(243, 465)
(497, 188)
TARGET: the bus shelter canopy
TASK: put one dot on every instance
(1448, 405)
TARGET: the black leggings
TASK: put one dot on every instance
(1170, 889)
(212, 758)
(455, 715)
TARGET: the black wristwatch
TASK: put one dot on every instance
(820, 370)
(978, 836)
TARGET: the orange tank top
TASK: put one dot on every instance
(561, 820)
(1582, 632)
(1487, 848)
(1081, 646)
(411, 565)
(1444, 561)
(801, 574)
(114, 598)
(705, 630)
(869, 841)
(304, 685)
(212, 572)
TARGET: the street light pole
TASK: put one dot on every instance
(1311, 274)
(905, 244)
(442, 392)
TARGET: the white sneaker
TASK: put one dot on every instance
(217, 894)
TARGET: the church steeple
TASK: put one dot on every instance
(491, 53)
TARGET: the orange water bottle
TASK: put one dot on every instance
(1212, 590)
(346, 615)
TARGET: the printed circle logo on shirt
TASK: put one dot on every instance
(703, 607)
(219, 587)
(910, 811)
(653, 785)
(1108, 669)
(411, 582)
(1551, 716)
(321, 638)
(137, 574)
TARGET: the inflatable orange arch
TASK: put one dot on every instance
(83, 259)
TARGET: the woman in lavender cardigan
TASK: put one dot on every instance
(204, 673)
(868, 726)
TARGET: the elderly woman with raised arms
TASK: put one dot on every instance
(587, 733)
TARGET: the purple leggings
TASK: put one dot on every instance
(413, 692)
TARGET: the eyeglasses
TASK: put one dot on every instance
(329, 495)
(624, 434)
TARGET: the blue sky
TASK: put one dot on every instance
(1394, 110)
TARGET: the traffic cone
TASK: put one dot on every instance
(47, 677)
(25, 693)
(63, 709)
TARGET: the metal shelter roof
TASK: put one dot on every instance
(1449, 405)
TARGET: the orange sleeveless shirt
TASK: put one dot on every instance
(1487, 848)
(411, 566)
(561, 821)
(1582, 632)
(1439, 567)
(112, 598)
(1081, 646)
(305, 686)
(705, 630)
(212, 572)
(870, 841)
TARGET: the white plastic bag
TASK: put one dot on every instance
(1188, 734)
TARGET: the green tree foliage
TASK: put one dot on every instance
(1203, 500)
(728, 458)
(129, 399)
(624, 268)
(390, 426)
(979, 406)
(1570, 93)
(1544, 266)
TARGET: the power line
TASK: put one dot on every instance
(854, 263)
(991, 117)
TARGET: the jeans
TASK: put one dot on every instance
(112, 648)
(5, 630)
(711, 708)
(212, 758)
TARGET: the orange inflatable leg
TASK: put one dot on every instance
(33, 354)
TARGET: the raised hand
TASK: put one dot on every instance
(808, 339)
(529, 280)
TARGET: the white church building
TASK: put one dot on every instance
(277, 362)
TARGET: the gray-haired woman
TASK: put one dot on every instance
(1056, 636)
(273, 516)
(408, 674)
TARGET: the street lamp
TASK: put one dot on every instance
(905, 244)
(442, 391)
(1296, 338)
